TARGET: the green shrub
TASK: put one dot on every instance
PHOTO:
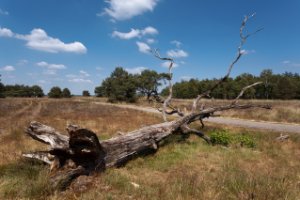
(226, 138)
(221, 137)
(246, 140)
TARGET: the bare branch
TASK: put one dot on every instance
(243, 90)
(169, 98)
(186, 129)
(243, 39)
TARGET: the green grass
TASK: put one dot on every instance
(24, 179)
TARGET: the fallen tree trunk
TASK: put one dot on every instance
(81, 153)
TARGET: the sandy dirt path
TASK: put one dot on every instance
(270, 126)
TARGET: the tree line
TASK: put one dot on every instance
(20, 91)
(34, 91)
(123, 86)
(274, 86)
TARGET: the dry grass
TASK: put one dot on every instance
(181, 169)
(287, 111)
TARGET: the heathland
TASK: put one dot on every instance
(243, 164)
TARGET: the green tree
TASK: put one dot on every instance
(100, 91)
(2, 89)
(66, 93)
(55, 92)
(149, 81)
(37, 91)
(120, 86)
(86, 93)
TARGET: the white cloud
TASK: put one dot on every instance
(22, 62)
(167, 64)
(136, 70)
(177, 53)
(80, 80)
(149, 31)
(99, 68)
(42, 81)
(3, 12)
(288, 63)
(39, 40)
(8, 68)
(126, 9)
(51, 66)
(176, 43)
(5, 32)
(143, 47)
(50, 72)
(150, 41)
(245, 52)
(126, 36)
(135, 33)
(84, 73)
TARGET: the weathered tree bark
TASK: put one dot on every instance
(81, 153)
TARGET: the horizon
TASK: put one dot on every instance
(77, 45)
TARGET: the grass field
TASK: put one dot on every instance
(181, 169)
(287, 111)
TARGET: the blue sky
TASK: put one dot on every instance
(76, 44)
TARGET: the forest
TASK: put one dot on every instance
(122, 86)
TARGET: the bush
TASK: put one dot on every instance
(86, 93)
(55, 92)
(221, 137)
(66, 93)
(246, 140)
(225, 138)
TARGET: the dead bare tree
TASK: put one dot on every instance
(81, 153)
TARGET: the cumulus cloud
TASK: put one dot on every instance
(149, 31)
(127, 9)
(135, 33)
(150, 40)
(50, 66)
(50, 72)
(136, 70)
(5, 32)
(8, 68)
(177, 53)
(176, 43)
(39, 40)
(84, 73)
(3, 12)
(80, 80)
(167, 64)
(143, 47)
